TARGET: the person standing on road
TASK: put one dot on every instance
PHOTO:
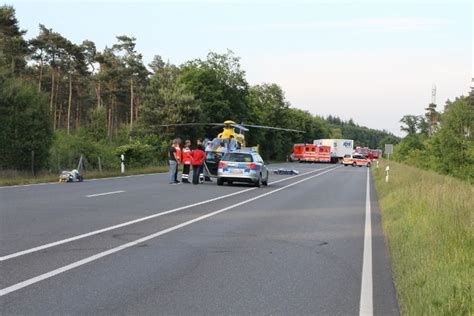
(198, 156)
(209, 146)
(232, 143)
(173, 161)
(187, 160)
(179, 158)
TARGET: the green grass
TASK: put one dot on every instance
(428, 221)
(15, 177)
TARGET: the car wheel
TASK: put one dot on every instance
(368, 165)
(265, 183)
(345, 165)
(230, 182)
(354, 164)
(259, 181)
(220, 181)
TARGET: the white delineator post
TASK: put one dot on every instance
(387, 171)
(122, 164)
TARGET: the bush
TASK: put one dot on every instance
(136, 154)
(25, 125)
(67, 150)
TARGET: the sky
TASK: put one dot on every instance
(372, 61)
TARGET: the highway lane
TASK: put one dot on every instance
(297, 250)
(39, 214)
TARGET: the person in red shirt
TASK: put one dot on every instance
(187, 160)
(198, 156)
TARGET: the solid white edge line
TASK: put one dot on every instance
(79, 263)
(366, 294)
(106, 193)
(102, 230)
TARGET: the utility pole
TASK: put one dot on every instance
(433, 94)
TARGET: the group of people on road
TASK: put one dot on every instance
(187, 157)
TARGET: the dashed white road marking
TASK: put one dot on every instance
(106, 193)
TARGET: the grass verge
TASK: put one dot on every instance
(15, 178)
(428, 222)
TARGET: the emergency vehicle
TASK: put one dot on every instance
(304, 153)
(339, 147)
(311, 153)
(355, 160)
(323, 153)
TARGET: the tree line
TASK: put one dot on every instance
(61, 99)
(441, 140)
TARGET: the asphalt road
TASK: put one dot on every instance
(137, 245)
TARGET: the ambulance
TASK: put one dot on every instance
(311, 153)
(304, 153)
(323, 153)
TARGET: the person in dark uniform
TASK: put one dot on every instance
(173, 161)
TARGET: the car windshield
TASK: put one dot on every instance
(238, 157)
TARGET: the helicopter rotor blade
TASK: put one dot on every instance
(189, 124)
(275, 128)
(241, 127)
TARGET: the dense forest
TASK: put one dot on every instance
(60, 100)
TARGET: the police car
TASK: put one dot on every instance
(243, 165)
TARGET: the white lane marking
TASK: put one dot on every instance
(106, 193)
(99, 231)
(79, 263)
(366, 295)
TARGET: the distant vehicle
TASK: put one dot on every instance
(70, 176)
(376, 153)
(304, 153)
(311, 153)
(243, 165)
(364, 151)
(324, 153)
(339, 147)
(369, 153)
(356, 160)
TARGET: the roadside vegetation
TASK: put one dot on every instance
(428, 222)
(442, 141)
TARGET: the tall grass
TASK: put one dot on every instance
(428, 221)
